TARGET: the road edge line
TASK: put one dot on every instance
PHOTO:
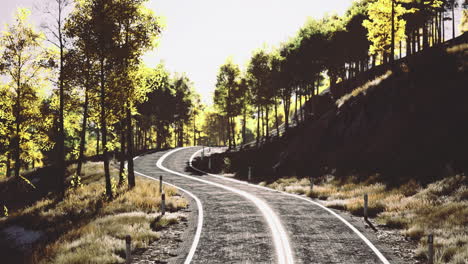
(280, 238)
(354, 229)
(196, 238)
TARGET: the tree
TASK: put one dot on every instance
(138, 28)
(258, 71)
(244, 94)
(225, 100)
(183, 105)
(57, 38)
(379, 26)
(23, 62)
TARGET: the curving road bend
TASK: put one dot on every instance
(243, 223)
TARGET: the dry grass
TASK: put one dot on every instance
(363, 89)
(440, 208)
(87, 228)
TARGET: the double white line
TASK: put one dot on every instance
(280, 238)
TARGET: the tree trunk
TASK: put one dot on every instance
(258, 124)
(453, 19)
(408, 45)
(17, 134)
(295, 109)
(286, 103)
(61, 135)
(301, 109)
(122, 155)
(83, 133)
(98, 140)
(194, 132)
(267, 123)
(401, 51)
(425, 36)
(442, 21)
(181, 137)
(229, 132)
(244, 124)
(392, 47)
(130, 169)
(233, 124)
(276, 118)
(104, 135)
(8, 165)
(418, 40)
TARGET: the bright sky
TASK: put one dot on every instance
(201, 35)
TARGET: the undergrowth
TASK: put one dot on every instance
(440, 208)
(85, 227)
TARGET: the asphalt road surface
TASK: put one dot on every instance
(236, 222)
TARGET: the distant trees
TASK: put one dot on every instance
(329, 50)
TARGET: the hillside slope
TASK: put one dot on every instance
(406, 121)
(411, 121)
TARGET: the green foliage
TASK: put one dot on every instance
(23, 130)
(379, 25)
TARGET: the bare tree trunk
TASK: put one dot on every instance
(229, 131)
(122, 155)
(262, 122)
(408, 45)
(233, 124)
(61, 129)
(425, 36)
(244, 124)
(98, 141)
(17, 134)
(83, 133)
(258, 124)
(194, 132)
(301, 109)
(295, 108)
(286, 105)
(130, 169)
(276, 118)
(8, 164)
(267, 123)
(104, 135)
(453, 19)
(442, 21)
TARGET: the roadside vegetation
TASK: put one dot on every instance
(440, 208)
(87, 227)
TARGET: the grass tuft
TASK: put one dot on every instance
(441, 208)
(85, 227)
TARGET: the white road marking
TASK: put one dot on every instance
(357, 232)
(196, 239)
(280, 238)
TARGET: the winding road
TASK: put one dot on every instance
(235, 222)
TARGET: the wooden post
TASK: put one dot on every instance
(163, 203)
(311, 179)
(128, 251)
(249, 175)
(365, 206)
(209, 163)
(430, 250)
(203, 153)
(160, 184)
